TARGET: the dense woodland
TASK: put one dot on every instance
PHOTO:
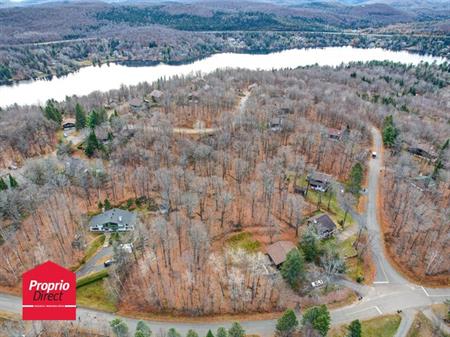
(240, 177)
(40, 42)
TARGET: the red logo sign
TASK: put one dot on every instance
(49, 293)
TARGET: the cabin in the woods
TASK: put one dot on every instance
(156, 96)
(278, 251)
(275, 123)
(422, 152)
(113, 220)
(318, 182)
(323, 225)
(68, 124)
(338, 134)
(136, 104)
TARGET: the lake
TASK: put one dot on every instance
(111, 76)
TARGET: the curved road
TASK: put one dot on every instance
(389, 293)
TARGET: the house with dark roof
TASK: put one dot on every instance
(68, 124)
(113, 220)
(422, 151)
(318, 182)
(278, 251)
(323, 225)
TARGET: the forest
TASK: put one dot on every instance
(38, 42)
(195, 192)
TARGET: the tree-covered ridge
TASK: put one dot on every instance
(219, 20)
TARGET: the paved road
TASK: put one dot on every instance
(389, 293)
(95, 264)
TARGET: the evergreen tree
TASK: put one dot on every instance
(80, 117)
(389, 132)
(107, 204)
(210, 334)
(286, 324)
(292, 269)
(309, 244)
(221, 332)
(354, 329)
(319, 318)
(92, 144)
(355, 179)
(51, 112)
(191, 333)
(12, 182)
(173, 333)
(3, 185)
(236, 330)
(142, 330)
(119, 327)
(93, 119)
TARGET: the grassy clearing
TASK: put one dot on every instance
(244, 240)
(91, 278)
(382, 326)
(96, 296)
(94, 246)
(346, 247)
(423, 327)
(327, 202)
(354, 269)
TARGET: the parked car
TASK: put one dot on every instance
(107, 263)
(317, 283)
(12, 167)
(374, 154)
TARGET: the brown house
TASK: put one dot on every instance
(323, 225)
(278, 251)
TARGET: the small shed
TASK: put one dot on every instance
(324, 225)
(278, 251)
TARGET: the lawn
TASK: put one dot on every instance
(326, 199)
(244, 240)
(382, 326)
(95, 295)
(422, 327)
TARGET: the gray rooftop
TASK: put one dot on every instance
(116, 216)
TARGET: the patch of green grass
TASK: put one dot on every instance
(354, 269)
(346, 247)
(382, 326)
(96, 296)
(91, 278)
(244, 240)
(94, 246)
(326, 202)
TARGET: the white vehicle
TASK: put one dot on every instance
(317, 283)
(12, 167)
(374, 154)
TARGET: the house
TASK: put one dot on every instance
(338, 134)
(278, 251)
(323, 225)
(318, 182)
(136, 104)
(68, 124)
(156, 96)
(113, 220)
(422, 152)
(275, 123)
(334, 134)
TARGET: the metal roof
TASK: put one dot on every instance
(115, 215)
